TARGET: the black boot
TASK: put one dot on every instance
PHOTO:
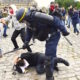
(16, 48)
(56, 67)
(66, 33)
(49, 72)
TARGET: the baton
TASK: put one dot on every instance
(18, 49)
(68, 40)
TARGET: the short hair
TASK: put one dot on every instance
(21, 62)
(52, 2)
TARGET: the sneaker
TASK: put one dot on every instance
(77, 33)
(16, 48)
(5, 35)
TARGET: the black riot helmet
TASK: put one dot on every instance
(21, 13)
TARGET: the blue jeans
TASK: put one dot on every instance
(75, 28)
(5, 29)
(69, 21)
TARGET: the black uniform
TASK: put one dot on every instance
(38, 60)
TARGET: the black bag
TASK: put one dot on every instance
(41, 32)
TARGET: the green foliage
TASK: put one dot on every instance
(77, 5)
(67, 3)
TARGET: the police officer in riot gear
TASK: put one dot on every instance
(44, 28)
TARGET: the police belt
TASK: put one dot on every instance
(52, 34)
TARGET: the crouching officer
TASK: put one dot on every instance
(44, 28)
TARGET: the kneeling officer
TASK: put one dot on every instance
(44, 28)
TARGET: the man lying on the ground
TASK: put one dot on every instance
(37, 60)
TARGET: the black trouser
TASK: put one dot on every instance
(15, 34)
(40, 64)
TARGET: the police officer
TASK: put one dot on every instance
(44, 28)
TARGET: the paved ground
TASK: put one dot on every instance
(70, 53)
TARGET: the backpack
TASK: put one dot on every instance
(41, 31)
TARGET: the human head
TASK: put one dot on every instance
(21, 14)
(56, 6)
(20, 62)
(52, 6)
(12, 9)
(20, 65)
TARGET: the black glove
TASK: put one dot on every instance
(26, 45)
(66, 34)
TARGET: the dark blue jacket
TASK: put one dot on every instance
(75, 18)
(56, 25)
(70, 12)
